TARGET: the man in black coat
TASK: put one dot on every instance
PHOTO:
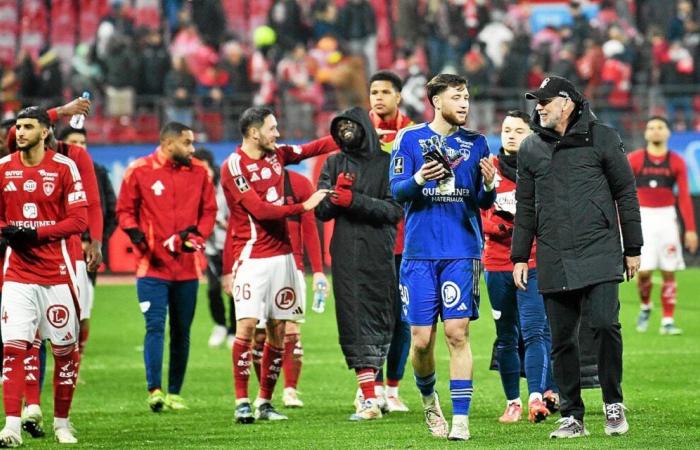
(362, 248)
(575, 192)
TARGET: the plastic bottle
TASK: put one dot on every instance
(320, 291)
(77, 121)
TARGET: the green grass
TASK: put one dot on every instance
(660, 385)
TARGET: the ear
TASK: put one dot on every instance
(437, 102)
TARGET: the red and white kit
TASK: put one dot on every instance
(258, 250)
(656, 178)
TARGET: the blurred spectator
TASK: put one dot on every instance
(212, 79)
(210, 20)
(476, 69)
(261, 71)
(300, 95)
(580, 27)
(154, 65)
(286, 19)
(187, 41)
(589, 67)
(358, 26)
(85, 73)
(26, 78)
(684, 13)
(495, 34)
(676, 80)
(565, 66)
(413, 99)
(444, 23)
(119, 18)
(409, 23)
(615, 80)
(513, 73)
(121, 71)
(325, 20)
(235, 63)
(49, 79)
(179, 87)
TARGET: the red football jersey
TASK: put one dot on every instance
(254, 191)
(303, 230)
(50, 198)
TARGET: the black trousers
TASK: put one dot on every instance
(564, 313)
(216, 301)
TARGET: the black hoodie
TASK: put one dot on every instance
(364, 279)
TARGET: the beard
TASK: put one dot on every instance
(453, 119)
(184, 160)
(29, 145)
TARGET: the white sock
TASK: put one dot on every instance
(14, 424)
(33, 409)
(59, 422)
(666, 321)
(428, 400)
(392, 391)
(260, 401)
(242, 400)
(379, 390)
(460, 419)
(516, 400)
(535, 396)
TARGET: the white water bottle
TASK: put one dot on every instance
(320, 291)
(77, 121)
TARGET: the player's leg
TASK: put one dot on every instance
(182, 303)
(504, 308)
(668, 304)
(20, 318)
(398, 354)
(644, 286)
(293, 355)
(84, 302)
(258, 346)
(32, 421)
(653, 230)
(60, 324)
(270, 370)
(671, 260)
(533, 325)
(216, 301)
(153, 300)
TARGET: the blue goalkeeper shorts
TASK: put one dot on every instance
(448, 288)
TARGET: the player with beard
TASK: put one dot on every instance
(167, 207)
(657, 172)
(258, 259)
(42, 205)
(443, 175)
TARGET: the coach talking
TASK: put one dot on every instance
(575, 192)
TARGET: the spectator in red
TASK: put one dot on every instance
(179, 86)
(616, 77)
(301, 95)
(677, 83)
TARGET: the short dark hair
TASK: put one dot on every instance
(173, 129)
(70, 130)
(518, 114)
(387, 75)
(253, 118)
(441, 82)
(35, 112)
(661, 119)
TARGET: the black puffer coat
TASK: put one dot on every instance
(364, 281)
(571, 190)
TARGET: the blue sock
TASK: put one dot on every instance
(461, 393)
(426, 384)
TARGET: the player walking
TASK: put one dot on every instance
(443, 176)
(658, 172)
(167, 207)
(259, 254)
(42, 205)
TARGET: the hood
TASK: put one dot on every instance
(370, 144)
(583, 118)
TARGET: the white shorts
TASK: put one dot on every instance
(662, 240)
(86, 293)
(267, 288)
(28, 308)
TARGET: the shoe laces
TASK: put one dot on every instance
(512, 409)
(613, 411)
(567, 422)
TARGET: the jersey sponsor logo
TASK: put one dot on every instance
(254, 178)
(10, 187)
(30, 211)
(242, 184)
(505, 201)
(58, 315)
(75, 197)
(62, 269)
(47, 174)
(32, 223)
(78, 186)
(285, 298)
(266, 173)
(29, 186)
(272, 195)
(296, 149)
(462, 307)
(252, 167)
(158, 188)
(14, 174)
(456, 196)
(398, 165)
(451, 294)
(49, 187)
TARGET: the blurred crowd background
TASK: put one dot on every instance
(202, 62)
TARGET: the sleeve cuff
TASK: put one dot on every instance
(633, 251)
(420, 181)
(490, 187)
(517, 259)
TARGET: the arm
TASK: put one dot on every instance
(110, 205)
(378, 211)
(493, 227)
(76, 219)
(293, 154)
(486, 179)
(326, 210)
(129, 201)
(525, 225)
(685, 202)
(406, 183)
(207, 209)
(94, 208)
(309, 229)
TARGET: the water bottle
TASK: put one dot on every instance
(320, 290)
(77, 121)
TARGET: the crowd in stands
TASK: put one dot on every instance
(201, 62)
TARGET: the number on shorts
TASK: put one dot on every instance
(241, 292)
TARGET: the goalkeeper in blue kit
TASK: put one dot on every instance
(442, 174)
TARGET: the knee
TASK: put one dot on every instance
(607, 329)
(421, 344)
(456, 337)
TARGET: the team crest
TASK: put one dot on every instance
(29, 186)
(242, 184)
(285, 298)
(48, 188)
(58, 315)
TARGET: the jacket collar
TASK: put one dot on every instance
(577, 132)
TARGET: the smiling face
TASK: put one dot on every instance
(453, 104)
(513, 131)
(554, 111)
(383, 98)
(266, 136)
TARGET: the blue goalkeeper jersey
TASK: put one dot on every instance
(442, 221)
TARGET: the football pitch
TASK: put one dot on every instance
(660, 384)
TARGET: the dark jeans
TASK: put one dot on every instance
(564, 313)
(216, 301)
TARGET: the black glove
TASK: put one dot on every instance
(192, 240)
(432, 151)
(18, 237)
(137, 237)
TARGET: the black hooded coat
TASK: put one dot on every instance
(364, 281)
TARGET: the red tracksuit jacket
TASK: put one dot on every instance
(161, 198)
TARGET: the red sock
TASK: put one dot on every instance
(293, 354)
(644, 286)
(13, 383)
(392, 383)
(257, 352)
(241, 366)
(32, 391)
(83, 337)
(365, 378)
(668, 299)
(66, 360)
(270, 369)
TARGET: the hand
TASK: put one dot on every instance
(691, 241)
(632, 266)
(227, 283)
(382, 132)
(18, 237)
(78, 106)
(345, 180)
(315, 199)
(520, 275)
(488, 170)
(320, 277)
(193, 242)
(137, 238)
(432, 170)
(93, 255)
(173, 244)
(341, 197)
(505, 230)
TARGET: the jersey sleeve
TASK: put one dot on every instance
(685, 202)
(293, 154)
(94, 208)
(485, 198)
(208, 209)
(309, 230)
(74, 198)
(404, 165)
